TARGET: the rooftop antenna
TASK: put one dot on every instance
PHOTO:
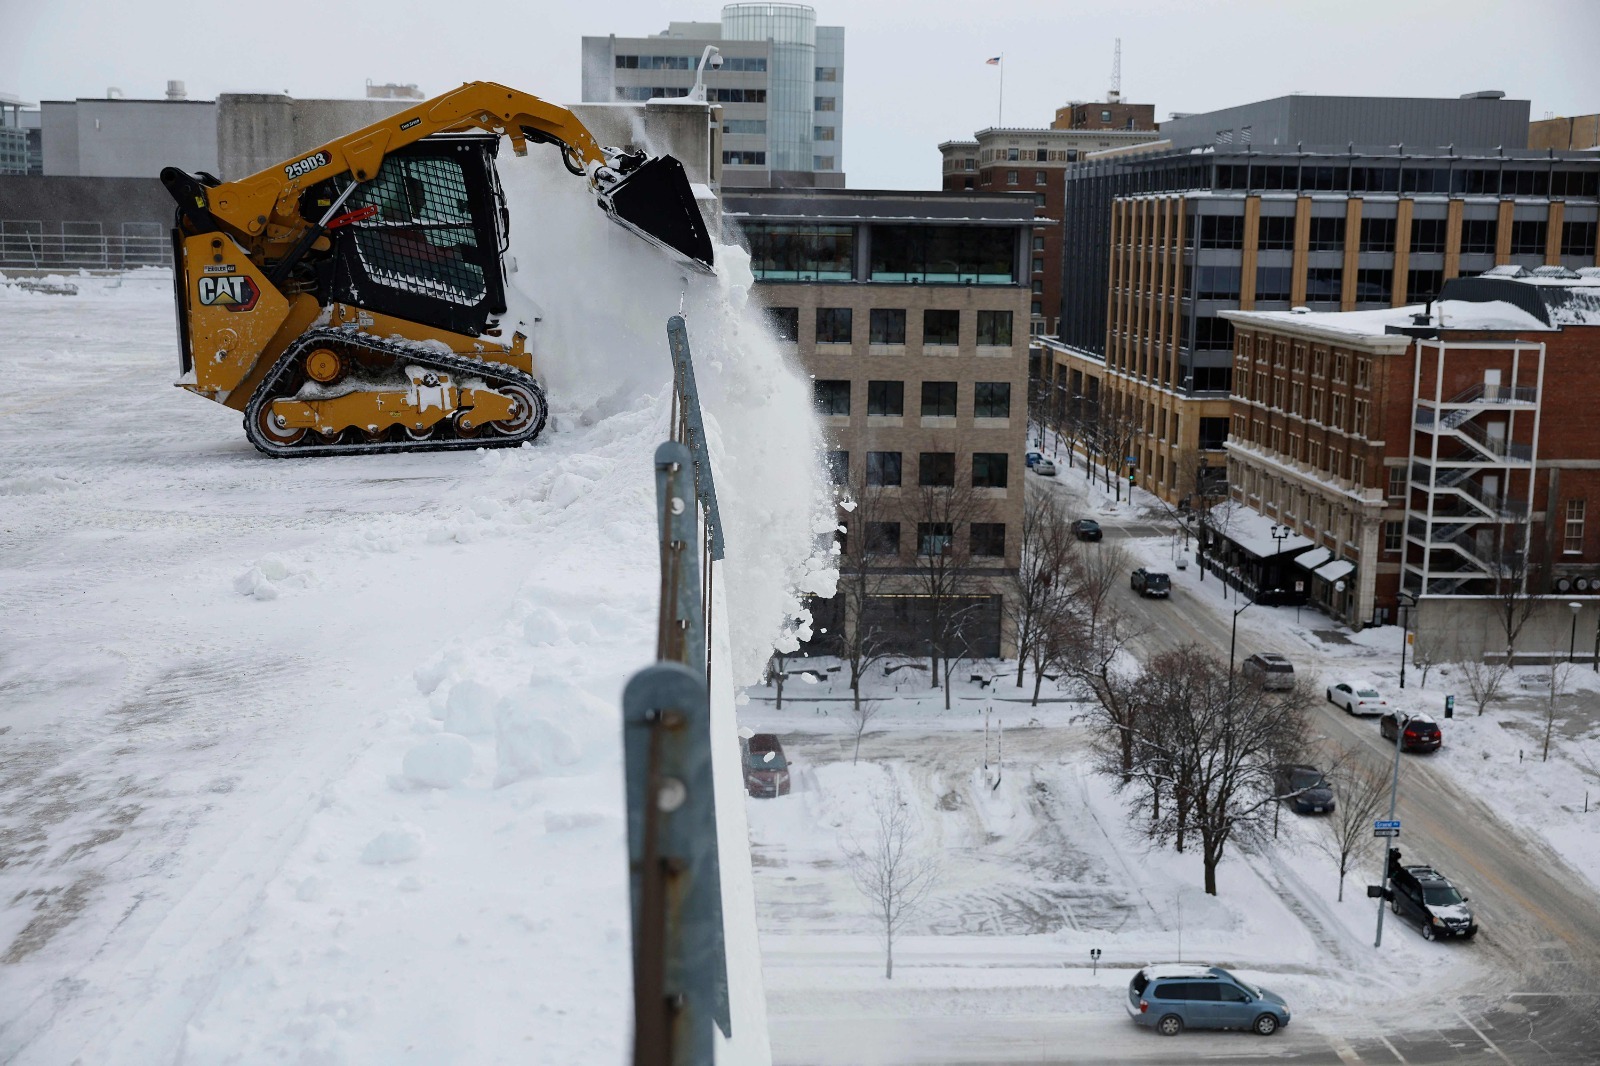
(1115, 94)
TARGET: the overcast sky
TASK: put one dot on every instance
(915, 71)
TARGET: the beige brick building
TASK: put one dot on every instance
(910, 312)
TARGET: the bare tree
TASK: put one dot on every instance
(1215, 745)
(940, 517)
(857, 640)
(861, 713)
(1096, 568)
(1485, 680)
(1361, 791)
(956, 639)
(1039, 585)
(777, 668)
(1428, 651)
(889, 871)
(1514, 601)
(1557, 683)
(1096, 663)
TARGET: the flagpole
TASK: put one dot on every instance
(1000, 116)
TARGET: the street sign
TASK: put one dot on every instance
(1386, 823)
(1386, 832)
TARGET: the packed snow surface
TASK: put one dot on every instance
(319, 761)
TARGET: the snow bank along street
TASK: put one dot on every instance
(1038, 864)
(319, 760)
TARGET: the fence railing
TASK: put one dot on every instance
(27, 244)
(680, 970)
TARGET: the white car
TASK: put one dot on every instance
(1044, 468)
(1357, 698)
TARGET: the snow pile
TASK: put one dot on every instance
(597, 353)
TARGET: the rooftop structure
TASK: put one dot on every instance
(1478, 120)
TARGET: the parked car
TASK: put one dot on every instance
(1420, 731)
(1357, 698)
(1304, 787)
(1086, 529)
(1032, 457)
(766, 771)
(1045, 468)
(1174, 997)
(1271, 671)
(1425, 896)
(1151, 583)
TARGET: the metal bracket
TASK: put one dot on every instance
(705, 488)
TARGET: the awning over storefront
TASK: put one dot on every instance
(1313, 558)
(1252, 531)
(1337, 570)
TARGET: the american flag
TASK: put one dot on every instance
(995, 62)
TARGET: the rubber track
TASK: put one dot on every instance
(458, 367)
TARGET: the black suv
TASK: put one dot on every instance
(1151, 583)
(1086, 529)
(1421, 732)
(1426, 896)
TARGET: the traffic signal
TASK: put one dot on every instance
(1130, 479)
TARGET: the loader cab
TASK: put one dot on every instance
(431, 251)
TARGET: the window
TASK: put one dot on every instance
(883, 538)
(1341, 368)
(883, 468)
(994, 328)
(1336, 419)
(1216, 283)
(737, 96)
(833, 325)
(1221, 231)
(936, 468)
(1297, 396)
(1105, 116)
(1575, 183)
(1041, 155)
(1011, 177)
(1527, 238)
(981, 255)
(1316, 414)
(1428, 234)
(1272, 283)
(824, 133)
(1393, 538)
(1012, 155)
(991, 399)
(933, 538)
(941, 327)
(1423, 285)
(831, 397)
(1363, 373)
(655, 63)
(787, 251)
(988, 539)
(1038, 265)
(1213, 334)
(1377, 234)
(1572, 533)
(1213, 433)
(757, 126)
(1359, 425)
(887, 325)
(838, 468)
(785, 322)
(744, 158)
(1358, 469)
(1039, 177)
(1398, 482)
(989, 470)
(824, 103)
(1324, 284)
(938, 399)
(1038, 290)
(1038, 244)
(1374, 285)
(823, 73)
(1478, 236)
(1276, 233)
(740, 64)
(886, 398)
(1327, 234)
(1578, 239)
(822, 162)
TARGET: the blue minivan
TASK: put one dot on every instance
(1175, 997)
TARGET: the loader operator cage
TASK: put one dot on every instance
(431, 253)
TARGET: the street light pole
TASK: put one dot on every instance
(1394, 791)
(1280, 533)
(1572, 642)
(1406, 603)
(1233, 644)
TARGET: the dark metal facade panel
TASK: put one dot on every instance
(1336, 121)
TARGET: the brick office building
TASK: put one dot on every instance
(1033, 162)
(1158, 245)
(907, 310)
(1447, 450)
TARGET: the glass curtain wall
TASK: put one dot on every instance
(792, 29)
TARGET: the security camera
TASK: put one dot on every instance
(715, 62)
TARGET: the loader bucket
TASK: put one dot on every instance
(655, 201)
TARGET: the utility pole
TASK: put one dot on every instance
(1394, 789)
